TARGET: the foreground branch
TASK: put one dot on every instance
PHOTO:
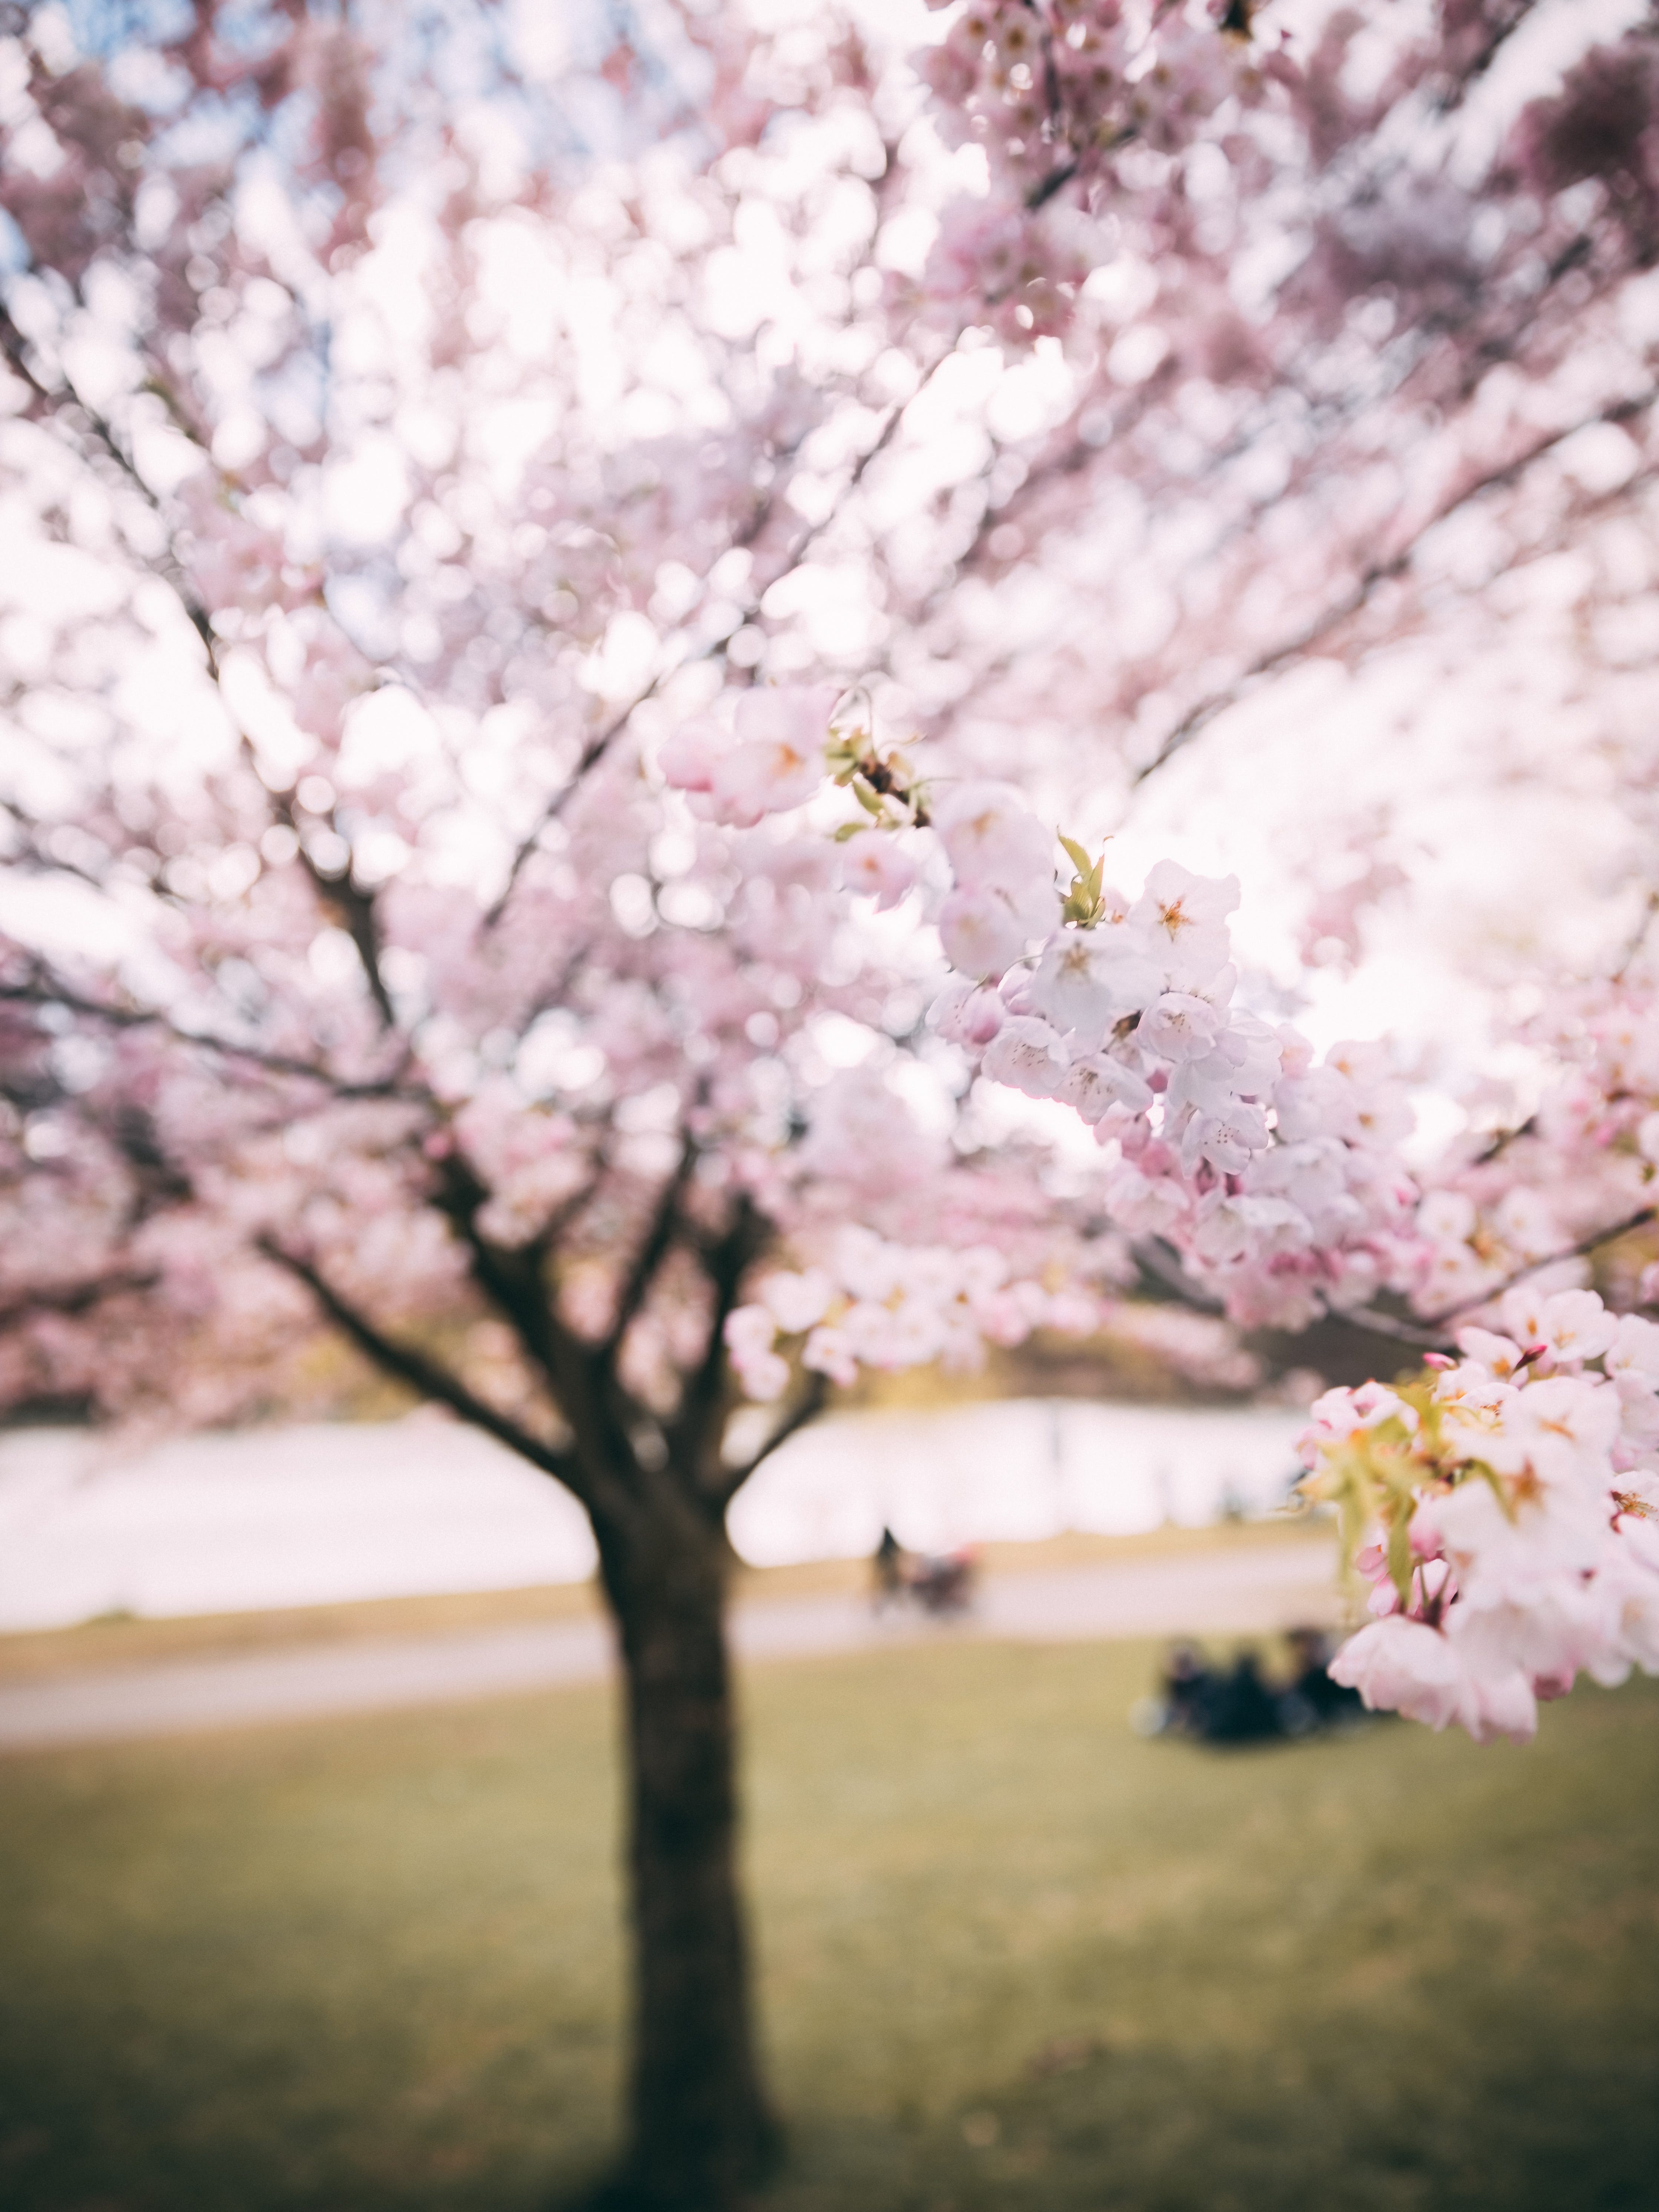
(1162, 1264)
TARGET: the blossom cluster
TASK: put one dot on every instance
(883, 1305)
(1504, 1507)
(1275, 1176)
(1057, 94)
(1585, 1159)
(774, 761)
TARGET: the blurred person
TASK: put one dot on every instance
(888, 1562)
(1331, 1704)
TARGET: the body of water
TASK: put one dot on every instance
(320, 1513)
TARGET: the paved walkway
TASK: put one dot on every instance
(1250, 1591)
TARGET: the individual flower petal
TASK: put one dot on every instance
(750, 1332)
(967, 1014)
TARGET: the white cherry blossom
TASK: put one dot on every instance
(1098, 1083)
(1087, 980)
(1029, 1055)
(1525, 1501)
(984, 930)
(1179, 1027)
(1184, 919)
(1401, 1666)
(994, 840)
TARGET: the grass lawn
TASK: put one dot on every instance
(1011, 1957)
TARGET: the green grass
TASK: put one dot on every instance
(1011, 1957)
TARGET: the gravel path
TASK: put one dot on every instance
(1241, 1592)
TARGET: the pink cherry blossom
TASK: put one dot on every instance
(875, 868)
(1029, 1055)
(1403, 1666)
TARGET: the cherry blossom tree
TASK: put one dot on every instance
(563, 575)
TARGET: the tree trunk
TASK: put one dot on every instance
(699, 2128)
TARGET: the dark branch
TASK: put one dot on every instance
(1159, 1260)
(73, 1299)
(1499, 1144)
(589, 758)
(1579, 1251)
(597, 747)
(15, 347)
(48, 991)
(513, 1280)
(1426, 1337)
(1197, 717)
(580, 1378)
(1429, 1334)
(408, 1365)
(726, 1263)
(1056, 181)
(805, 1410)
(354, 910)
(653, 1249)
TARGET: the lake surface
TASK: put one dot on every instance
(320, 1513)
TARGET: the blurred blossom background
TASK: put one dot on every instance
(559, 566)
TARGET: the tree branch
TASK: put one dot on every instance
(511, 1280)
(15, 348)
(408, 1365)
(1579, 1251)
(726, 1263)
(1424, 1337)
(589, 758)
(805, 1410)
(73, 1298)
(352, 907)
(1197, 717)
(597, 747)
(1159, 1260)
(1429, 1334)
(49, 991)
(653, 1251)
(580, 1378)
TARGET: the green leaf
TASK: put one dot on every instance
(1400, 1555)
(849, 830)
(1494, 1481)
(1074, 852)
